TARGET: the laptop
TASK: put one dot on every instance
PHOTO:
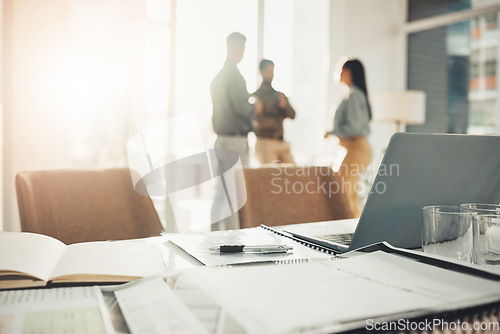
(417, 170)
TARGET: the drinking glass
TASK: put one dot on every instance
(482, 208)
(486, 240)
(447, 231)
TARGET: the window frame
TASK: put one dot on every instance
(443, 20)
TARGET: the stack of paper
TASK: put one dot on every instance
(318, 296)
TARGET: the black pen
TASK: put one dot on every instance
(259, 249)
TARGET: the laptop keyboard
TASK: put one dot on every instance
(343, 239)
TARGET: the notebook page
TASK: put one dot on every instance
(34, 254)
(117, 258)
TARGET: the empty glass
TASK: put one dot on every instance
(482, 208)
(447, 231)
(486, 231)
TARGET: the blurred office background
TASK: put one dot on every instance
(80, 77)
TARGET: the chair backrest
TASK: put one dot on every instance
(84, 205)
(291, 195)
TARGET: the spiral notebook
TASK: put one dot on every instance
(197, 244)
(310, 242)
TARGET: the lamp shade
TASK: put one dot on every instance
(407, 107)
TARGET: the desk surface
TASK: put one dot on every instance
(487, 314)
(176, 258)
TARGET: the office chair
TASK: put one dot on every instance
(291, 195)
(84, 205)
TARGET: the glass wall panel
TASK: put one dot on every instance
(457, 67)
(422, 9)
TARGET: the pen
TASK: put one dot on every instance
(260, 249)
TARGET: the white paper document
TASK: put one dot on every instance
(152, 307)
(198, 244)
(330, 296)
(60, 310)
(325, 295)
(171, 303)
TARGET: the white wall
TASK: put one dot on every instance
(371, 31)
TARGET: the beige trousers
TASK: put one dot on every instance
(270, 150)
(238, 144)
(359, 156)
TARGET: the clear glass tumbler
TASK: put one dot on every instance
(482, 208)
(446, 231)
(486, 240)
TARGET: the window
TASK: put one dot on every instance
(490, 68)
(490, 74)
(421, 9)
(456, 65)
(492, 21)
(301, 62)
(475, 71)
(476, 31)
(438, 64)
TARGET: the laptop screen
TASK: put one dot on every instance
(427, 169)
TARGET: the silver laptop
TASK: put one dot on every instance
(417, 170)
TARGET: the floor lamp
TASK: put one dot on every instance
(401, 107)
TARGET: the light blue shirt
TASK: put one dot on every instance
(352, 117)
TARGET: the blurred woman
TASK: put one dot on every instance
(351, 125)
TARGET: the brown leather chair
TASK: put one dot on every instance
(290, 195)
(84, 205)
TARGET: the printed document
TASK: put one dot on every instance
(58, 310)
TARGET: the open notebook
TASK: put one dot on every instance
(30, 259)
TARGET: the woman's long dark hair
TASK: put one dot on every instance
(358, 78)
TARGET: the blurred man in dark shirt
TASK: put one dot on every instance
(268, 123)
(232, 121)
(232, 113)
